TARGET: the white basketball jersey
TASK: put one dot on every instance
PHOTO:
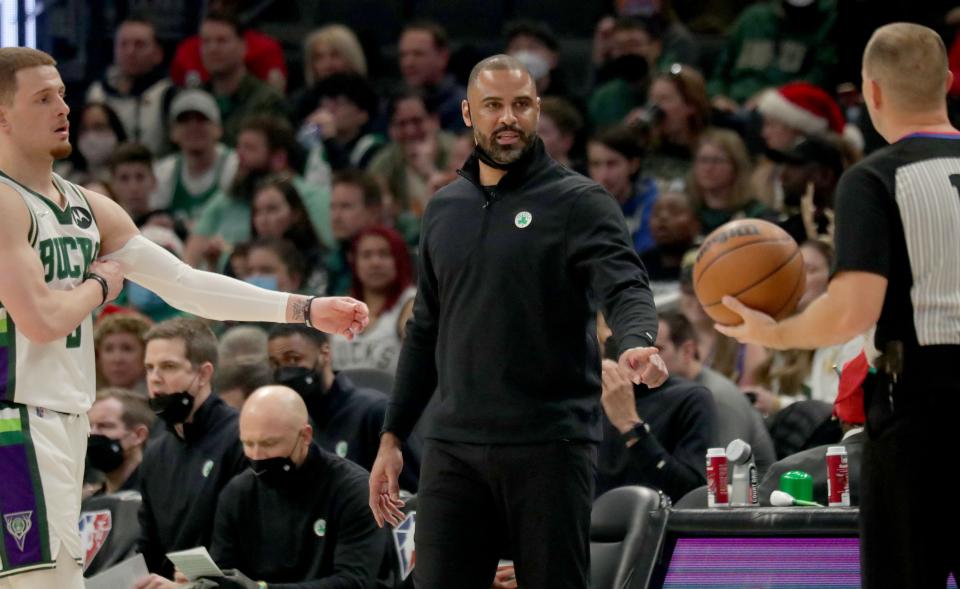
(59, 375)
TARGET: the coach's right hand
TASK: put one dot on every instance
(110, 271)
(385, 502)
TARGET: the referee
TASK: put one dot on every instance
(898, 266)
(512, 255)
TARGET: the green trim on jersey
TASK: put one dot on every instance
(33, 227)
(64, 216)
(41, 511)
(8, 339)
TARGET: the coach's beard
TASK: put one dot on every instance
(499, 156)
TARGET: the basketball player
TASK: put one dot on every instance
(53, 237)
(898, 266)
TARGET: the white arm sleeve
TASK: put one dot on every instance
(205, 294)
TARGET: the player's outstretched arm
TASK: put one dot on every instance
(40, 313)
(211, 295)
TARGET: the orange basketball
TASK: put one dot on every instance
(755, 261)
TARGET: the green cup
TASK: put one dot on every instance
(798, 484)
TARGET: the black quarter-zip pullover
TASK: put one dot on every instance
(504, 317)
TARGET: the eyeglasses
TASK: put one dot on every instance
(715, 160)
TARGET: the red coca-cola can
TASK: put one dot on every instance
(718, 493)
(838, 477)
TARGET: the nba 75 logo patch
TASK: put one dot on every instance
(95, 528)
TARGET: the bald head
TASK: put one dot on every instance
(909, 63)
(499, 62)
(273, 419)
(275, 403)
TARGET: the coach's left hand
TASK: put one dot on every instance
(644, 366)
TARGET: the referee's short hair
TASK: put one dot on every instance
(909, 62)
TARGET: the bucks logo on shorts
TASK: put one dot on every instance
(18, 524)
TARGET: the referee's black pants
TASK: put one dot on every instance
(480, 503)
(909, 506)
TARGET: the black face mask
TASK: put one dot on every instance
(630, 68)
(105, 454)
(173, 409)
(801, 17)
(277, 471)
(306, 381)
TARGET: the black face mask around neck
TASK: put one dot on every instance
(173, 409)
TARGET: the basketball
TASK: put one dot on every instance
(755, 261)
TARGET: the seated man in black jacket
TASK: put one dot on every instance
(347, 419)
(298, 517)
(120, 422)
(657, 438)
(187, 466)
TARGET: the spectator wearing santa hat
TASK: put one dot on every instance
(791, 113)
(848, 409)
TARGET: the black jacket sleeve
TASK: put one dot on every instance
(683, 470)
(599, 249)
(149, 544)
(416, 376)
(360, 546)
(223, 549)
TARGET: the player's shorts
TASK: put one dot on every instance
(42, 456)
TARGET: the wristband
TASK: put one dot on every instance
(637, 432)
(105, 289)
(306, 312)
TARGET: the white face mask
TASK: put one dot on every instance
(535, 64)
(97, 147)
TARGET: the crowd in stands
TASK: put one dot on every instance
(315, 183)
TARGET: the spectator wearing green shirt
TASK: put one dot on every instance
(203, 167)
(265, 146)
(635, 51)
(356, 203)
(776, 42)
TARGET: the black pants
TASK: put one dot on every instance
(909, 510)
(529, 503)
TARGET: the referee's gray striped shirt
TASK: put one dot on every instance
(928, 196)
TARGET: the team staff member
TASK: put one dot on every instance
(186, 468)
(898, 265)
(299, 514)
(512, 255)
(346, 419)
(120, 422)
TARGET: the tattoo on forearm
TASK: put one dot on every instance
(298, 306)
